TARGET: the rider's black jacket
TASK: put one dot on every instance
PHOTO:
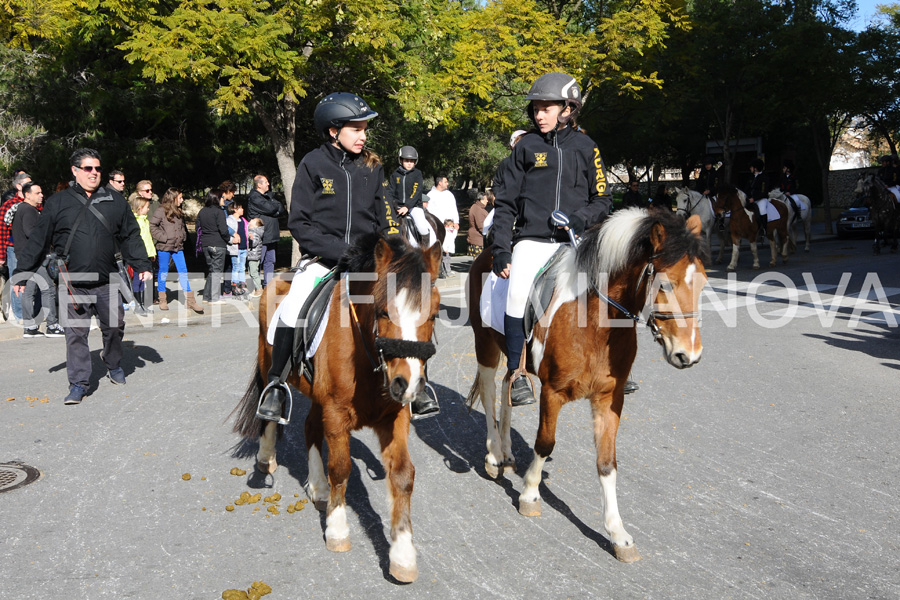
(561, 170)
(888, 175)
(707, 180)
(789, 184)
(405, 188)
(92, 250)
(336, 198)
(758, 188)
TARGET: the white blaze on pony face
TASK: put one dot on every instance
(409, 317)
(679, 294)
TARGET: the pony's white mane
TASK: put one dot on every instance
(742, 197)
(617, 237)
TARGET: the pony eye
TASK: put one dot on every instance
(433, 317)
(666, 286)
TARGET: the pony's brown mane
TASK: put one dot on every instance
(407, 265)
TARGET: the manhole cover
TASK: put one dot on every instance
(16, 475)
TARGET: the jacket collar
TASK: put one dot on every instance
(101, 194)
(339, 155)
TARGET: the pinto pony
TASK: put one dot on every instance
(637, 260)
(884, 210)
(368, 366)
(743, 226)
(804, 217)
(691, 203)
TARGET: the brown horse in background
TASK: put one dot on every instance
(637, 262)
(368, 366)
(745, 226)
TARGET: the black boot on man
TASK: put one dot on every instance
(277, 392)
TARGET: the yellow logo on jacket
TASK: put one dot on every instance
(327, 186)
(540, 159)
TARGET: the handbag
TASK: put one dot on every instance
(53, 262)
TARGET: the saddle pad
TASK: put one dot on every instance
(314, 314)
(493, 298)
(896, 192)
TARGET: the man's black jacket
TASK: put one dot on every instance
(263, 206)
(92, 250)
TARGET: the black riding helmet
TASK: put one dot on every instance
(408, 153)
(555, 87)
(339, 108)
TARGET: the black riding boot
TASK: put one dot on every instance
(516, 383)
(425, 404)
(276, 392)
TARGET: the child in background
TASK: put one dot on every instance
(238, 252)
(140, 206)
(255, 230)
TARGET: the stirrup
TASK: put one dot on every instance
(282, 420)
(509, 381)
(416, 416)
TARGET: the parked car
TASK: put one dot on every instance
(855, 220)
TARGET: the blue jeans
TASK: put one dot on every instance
(14, 301)
(238, 267)
(268, 261)
(180, 265)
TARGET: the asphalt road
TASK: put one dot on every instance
(769, 470)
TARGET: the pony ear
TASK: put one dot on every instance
(657, 237)
(694, 225)
(433, 258)
(383, 255)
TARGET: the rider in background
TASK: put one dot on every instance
(405, 191)
(758, 189)
(337, 197)
(633, 198)
(708, 183)
(789, 185)
(553, 167)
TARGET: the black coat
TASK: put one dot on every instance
(561, 170)
(405, 188)
(214, 229)
(265, 207)
(707, 180)
(635, 199)
(758, 188)
(92, 250)
(337, 198)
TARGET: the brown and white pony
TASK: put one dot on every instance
(884, 211)
(635, 262)
(731, 199)
(369, 365)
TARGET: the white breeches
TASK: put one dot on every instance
(423, 226)
(528, 257)
(301, 286)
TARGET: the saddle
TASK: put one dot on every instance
(308, 322)
(541, 294)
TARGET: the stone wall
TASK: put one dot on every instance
(841, 186)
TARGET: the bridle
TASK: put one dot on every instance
(648, 274)
(386, 348)
(690, 207)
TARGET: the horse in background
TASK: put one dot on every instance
(637, 263)
(804, 217)
(884, 211)
(744, 226)
(369, 365)
(690, 202)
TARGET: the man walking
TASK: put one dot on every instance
(95, 223)
(23, 223)
(261, 205)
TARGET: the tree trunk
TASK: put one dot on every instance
(281, 124)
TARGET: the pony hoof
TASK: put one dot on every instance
(627, 554)
(266, 467)
(530, 509)
(730, 268)
(493, 470)
(756, 267)
(404, 574)
(341, 545)
(509, 466)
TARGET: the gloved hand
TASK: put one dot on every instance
(502, 258)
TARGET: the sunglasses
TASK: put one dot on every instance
(89, 168)
(118, 181)
(147, 190)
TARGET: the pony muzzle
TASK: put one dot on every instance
(402, 389)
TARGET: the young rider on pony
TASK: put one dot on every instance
(405, 191)
(758, 189)
(553, 167)
(337, 197)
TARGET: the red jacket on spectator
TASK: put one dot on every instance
(6, 228)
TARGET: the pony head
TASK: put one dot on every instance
(405, 303)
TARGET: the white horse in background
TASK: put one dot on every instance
(691, 203)
(805, 216)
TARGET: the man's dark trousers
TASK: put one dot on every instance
(104, 302)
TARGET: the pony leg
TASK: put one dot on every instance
(735, 251)
(316, 484)
(401, 475)
(337, 532)
(755, 255)
(265, 458)
(606, 413)
(773, 248)
(486, 389)
(509, 461)
(530, 499)
(806, 228)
